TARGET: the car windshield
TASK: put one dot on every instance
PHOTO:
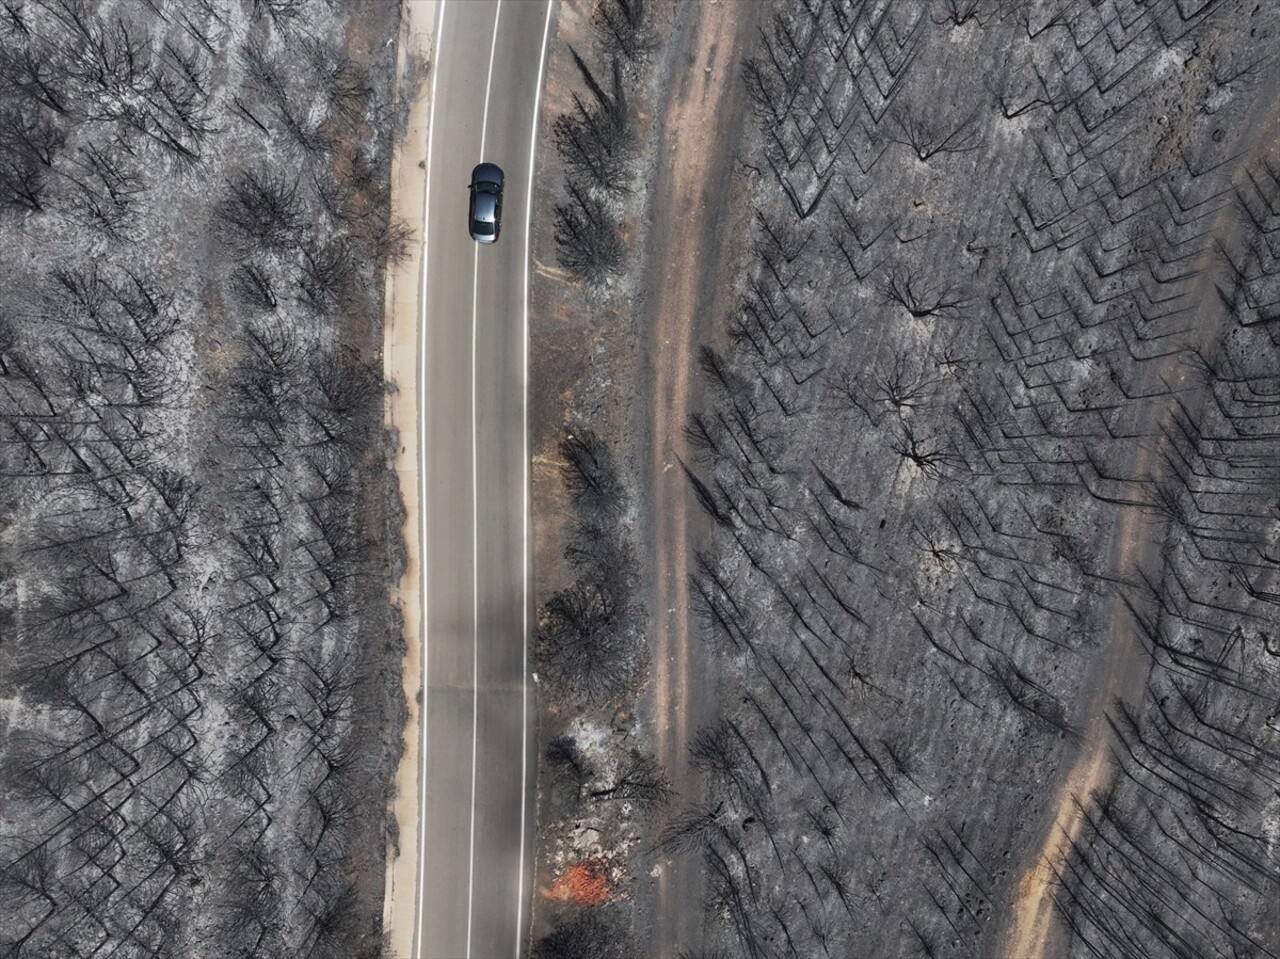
(482, 228)
(484, 187)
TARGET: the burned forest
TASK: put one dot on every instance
(199, 661)
(987, 456)
(981, 470)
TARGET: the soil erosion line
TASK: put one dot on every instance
(1119, 675)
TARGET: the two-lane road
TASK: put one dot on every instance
(475, 846)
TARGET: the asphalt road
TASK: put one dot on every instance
(475, 857)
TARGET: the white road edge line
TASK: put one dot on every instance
(422, 500)
(475, 510)
(528, 256)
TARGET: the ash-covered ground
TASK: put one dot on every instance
(988, 454)
(199, 661)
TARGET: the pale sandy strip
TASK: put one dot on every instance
(401, 350)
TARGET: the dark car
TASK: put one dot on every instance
(485, 217)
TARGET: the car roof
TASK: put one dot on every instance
(485, 207)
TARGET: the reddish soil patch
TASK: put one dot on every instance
(585, 883)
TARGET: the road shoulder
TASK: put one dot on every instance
(401, 365)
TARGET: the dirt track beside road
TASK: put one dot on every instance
(692, 263)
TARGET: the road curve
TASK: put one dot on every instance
(475, 820)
